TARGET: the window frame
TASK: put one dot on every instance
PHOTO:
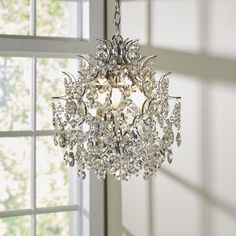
(56, 47)
(25, 45)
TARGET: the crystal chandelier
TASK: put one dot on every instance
(115, 118)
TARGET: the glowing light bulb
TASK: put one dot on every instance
(138, 99)
(116, 97)
(102, 97)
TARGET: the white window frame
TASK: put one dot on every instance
(55, 47)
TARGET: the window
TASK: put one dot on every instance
(39, 195)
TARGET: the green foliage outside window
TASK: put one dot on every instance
(15, 115)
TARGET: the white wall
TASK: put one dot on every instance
(196, 194)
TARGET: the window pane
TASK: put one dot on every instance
(57, 18)
(50, 82)
(86, 19)
(14, 173)
(15, 226)
(14, 17)
(15, 80)
(52, 176)
(55, 224)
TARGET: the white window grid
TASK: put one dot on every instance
(57, 47)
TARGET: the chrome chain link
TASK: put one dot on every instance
(117, 17)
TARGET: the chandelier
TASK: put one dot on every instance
(115, 117)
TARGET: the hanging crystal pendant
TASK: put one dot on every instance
(115, 118)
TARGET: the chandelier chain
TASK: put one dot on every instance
(117, 17)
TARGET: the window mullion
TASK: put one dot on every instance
(26, 133)
(79, 22)
(33, 148)
(15, 213)
(43, 46)
(33, 17)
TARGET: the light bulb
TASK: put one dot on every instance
(116, 97)
(138, 99)
(102, 97)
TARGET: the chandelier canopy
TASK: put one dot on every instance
(115, 118)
